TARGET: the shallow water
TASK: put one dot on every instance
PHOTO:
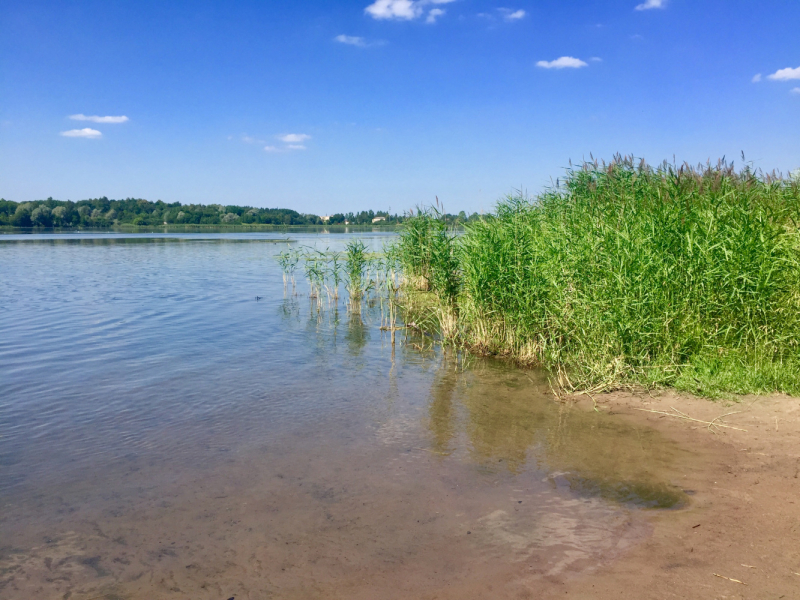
(173, 425)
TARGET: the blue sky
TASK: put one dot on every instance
(350, 105)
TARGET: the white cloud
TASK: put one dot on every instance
(296, 147)
(565, 62)
(272, 149)
(394, 9)
(82, 133)
(433, 14)
(512, 15)
(294, 138)
(596, 59)
(404, 9)
(795, 90)
(97, 119)
(785, 74)
(648, 4)
(351, 40)
(756, 78)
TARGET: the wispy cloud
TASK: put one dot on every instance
(756, 78)
(596, 59)
(565, 62)
(795, 91)
(785, 74)
(82, 133)
(98, 119)
(508, 15)
(434, 14)
(511, 15)
(404, 10)
(248, 139)
(649, 4)
(286, 148)
(294, 138)
(292, 141)
(351, 40)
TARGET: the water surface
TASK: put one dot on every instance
(173, 424)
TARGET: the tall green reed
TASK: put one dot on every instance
(335, 272)
(315, 267)
(356, 262)
(626, 273)
(288, 261)
(427, 250)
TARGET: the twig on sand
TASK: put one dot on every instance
(681, 415)
(729, 579)
(735, 412)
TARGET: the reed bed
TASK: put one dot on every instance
(365, 276)
(625, 274)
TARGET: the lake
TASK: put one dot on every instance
(176, 424)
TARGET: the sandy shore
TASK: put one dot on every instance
(740, 537)
(292, 520)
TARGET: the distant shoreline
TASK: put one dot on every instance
(190, 228)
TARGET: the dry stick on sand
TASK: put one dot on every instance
(681, 415)
(729, 579)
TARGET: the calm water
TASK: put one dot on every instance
(173, 425)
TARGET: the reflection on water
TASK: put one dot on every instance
(163, 433)
(357, 332)
(509, 422)
(105, 241)
(108, 239)
(442, 411)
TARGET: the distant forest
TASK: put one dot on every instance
(102, 212)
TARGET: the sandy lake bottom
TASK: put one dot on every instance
(165, 434)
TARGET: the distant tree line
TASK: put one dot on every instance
(102, 212)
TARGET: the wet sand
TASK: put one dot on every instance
(744, 519)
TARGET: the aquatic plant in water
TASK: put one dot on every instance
(288, 261)
(356, 262)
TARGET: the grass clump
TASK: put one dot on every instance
(428, 253)
(356, 265)
(630, 274)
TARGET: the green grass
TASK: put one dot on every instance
(356, 265)
(627, 274)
